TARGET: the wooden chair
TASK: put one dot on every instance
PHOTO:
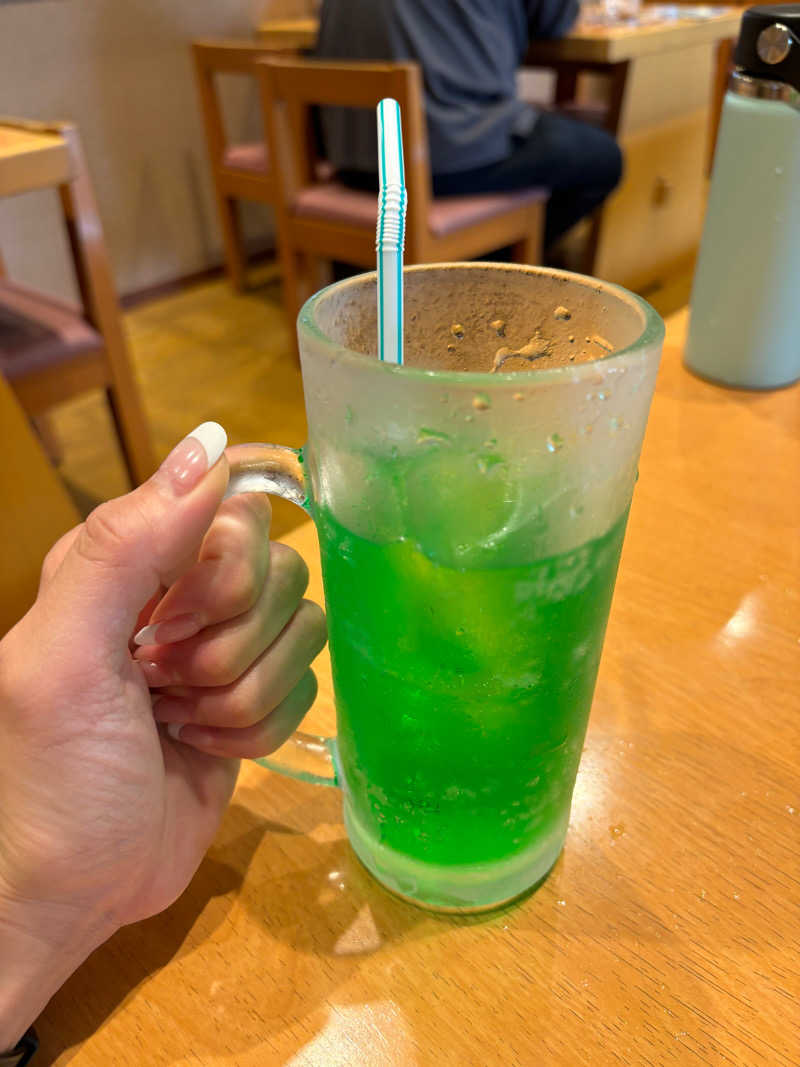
(324, 220)
(51, 351)
(238, 171)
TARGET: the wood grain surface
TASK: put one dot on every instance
(35, 512)
(30, 157)
(599, 44)
(667, 932)
(615, 44)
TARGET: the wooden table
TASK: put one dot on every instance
(36, 509)
(656, 84)
(667, 932)
(31, 159)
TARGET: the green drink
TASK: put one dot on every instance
(471, 506)
(441, 674)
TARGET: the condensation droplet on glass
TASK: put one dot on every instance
(429, 436)
(575, 511)
(348, 414)
(518, 396)
(451, 347)
(571, 338)
(499, 327)
(481, 402)
(603, 394)
(460, 631)
(617, 830)
(562, 313)
(555, 442)
(457, 330)
(779, 170)
(617, 422)
(561, 903)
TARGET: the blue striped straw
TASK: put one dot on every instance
(390, 232)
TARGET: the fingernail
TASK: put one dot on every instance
(169, 631)
(196, 454)
(154, 674)
(174, 730)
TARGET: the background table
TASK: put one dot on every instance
(658, 83)
(668, 930)
(31, 159)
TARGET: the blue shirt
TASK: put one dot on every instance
(469, 52)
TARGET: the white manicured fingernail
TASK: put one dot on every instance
(169, 631)
(213, 439)
(189, 462)
(147, 635)
(174, 730)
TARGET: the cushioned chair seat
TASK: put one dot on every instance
(333, 201)
(255, 158)
(37, 332)
(252, 157)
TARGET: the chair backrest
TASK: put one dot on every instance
(84, 228)
(291, 87)
(221, 57)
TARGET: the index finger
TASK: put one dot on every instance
(227, 578)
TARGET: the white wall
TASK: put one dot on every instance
(121, 70)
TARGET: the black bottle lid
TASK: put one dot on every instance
(769, 43)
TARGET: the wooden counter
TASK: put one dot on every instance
(662, 83)
(602, 44)
(614, 44)
(667, 932)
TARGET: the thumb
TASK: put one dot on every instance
(130, 547)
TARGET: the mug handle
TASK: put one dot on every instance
(277, 470)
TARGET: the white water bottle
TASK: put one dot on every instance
(745, 310)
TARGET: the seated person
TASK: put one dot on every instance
(483, 138)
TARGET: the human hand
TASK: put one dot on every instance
(105, 814)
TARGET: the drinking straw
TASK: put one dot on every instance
(390, 232)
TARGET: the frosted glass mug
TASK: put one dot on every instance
(470, 523)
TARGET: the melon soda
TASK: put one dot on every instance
(471, 507)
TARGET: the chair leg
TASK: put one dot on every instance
(132, 435)
(43, 425)
(233, 243)
(592, 241)
(301, 274)
(292, 293)
(529, 249)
